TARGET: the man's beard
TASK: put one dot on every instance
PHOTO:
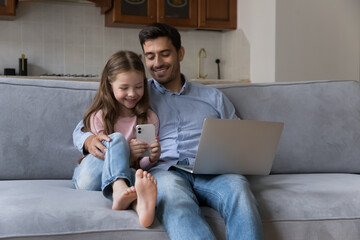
(173, 75)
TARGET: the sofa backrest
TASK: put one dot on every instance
(36, 125)
(321, 131)
(321, 122)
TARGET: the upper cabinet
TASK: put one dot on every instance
(124, 12)
(195, 14)
(180, 13)
(200, 14)
(7, 9)
(214, 14)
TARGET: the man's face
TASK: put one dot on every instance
(162, 60)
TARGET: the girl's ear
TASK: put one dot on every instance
(181, 53)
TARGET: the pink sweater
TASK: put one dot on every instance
(126, 126)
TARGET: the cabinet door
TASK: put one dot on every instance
(214, 14)
(179, 13)
(7, 8)
(139, 12)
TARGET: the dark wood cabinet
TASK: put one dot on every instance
(199, 14)
(214, 14)
(7, 9)
(133, 12)
(180, 13)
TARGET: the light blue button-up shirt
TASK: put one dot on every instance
(181, 117)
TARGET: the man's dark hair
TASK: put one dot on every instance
(157, 30)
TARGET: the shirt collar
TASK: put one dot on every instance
(163, 90)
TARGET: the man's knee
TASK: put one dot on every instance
(167, 179)
(173, 188)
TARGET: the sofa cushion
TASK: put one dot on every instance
(308, 206)
(322, 122)
(37, 121)
(53, 209)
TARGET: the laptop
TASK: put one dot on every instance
(244, 147)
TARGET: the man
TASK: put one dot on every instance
(182, 107)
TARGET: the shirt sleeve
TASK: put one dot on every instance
(79, 137)
(225, 108)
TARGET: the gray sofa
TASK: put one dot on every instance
(312, 193)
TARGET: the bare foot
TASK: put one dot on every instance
(146, 190)
(123, 195)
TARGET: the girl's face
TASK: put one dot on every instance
(128, 89)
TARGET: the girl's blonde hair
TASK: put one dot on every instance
(120, 62)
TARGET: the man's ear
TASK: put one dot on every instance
(181, 53)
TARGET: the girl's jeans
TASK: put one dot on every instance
(179, 196)
(96, 174)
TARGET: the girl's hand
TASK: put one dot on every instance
(155, 150)
(136, 149)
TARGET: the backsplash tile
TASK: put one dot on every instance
(54, 53)
(75, 55)
(11, 31)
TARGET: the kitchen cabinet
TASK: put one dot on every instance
(214, 14)
(179, 13)
(199, 14)
(133, 12)
(7, 9)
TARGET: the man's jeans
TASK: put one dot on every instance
(96, 174)
(179, 196)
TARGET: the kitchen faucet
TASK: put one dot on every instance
(203, 52)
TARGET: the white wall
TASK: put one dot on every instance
(235, 59)
(257, 20)
(317, 39)
(299, 40)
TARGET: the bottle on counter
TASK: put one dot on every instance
(23, 65)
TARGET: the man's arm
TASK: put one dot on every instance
(87, 142)
(226, 108)
(79, 138)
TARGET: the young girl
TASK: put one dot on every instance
(121, 103)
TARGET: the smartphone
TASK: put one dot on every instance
(145, 133)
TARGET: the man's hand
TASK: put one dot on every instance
(94, 146)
